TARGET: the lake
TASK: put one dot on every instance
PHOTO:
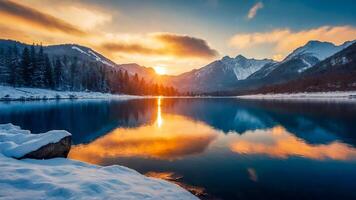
(217, 148)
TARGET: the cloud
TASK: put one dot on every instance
(17, 13)
(166, 44)
(253, 11)
(284, 41)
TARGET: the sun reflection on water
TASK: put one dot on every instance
(159, 120)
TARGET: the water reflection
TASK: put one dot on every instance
(277, 142)
(175, 138)
(219, 148)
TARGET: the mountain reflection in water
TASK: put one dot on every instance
(215, 148)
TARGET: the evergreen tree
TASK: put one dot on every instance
(39, 69)
(48, 75)
(57, 74)
(23, 73)
(32, 67)
(73, 74)
(15, 65)
(126, 83)
(5, 65)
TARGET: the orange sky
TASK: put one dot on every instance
(169, 37)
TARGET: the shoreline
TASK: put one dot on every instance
(63, 178)
(335, 96)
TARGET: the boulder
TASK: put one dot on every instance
(51, 150)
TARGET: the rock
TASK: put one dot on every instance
(51, 150)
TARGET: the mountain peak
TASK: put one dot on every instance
(226, 58)
(318, 49)
(240, 57)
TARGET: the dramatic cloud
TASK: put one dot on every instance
(284, 41)
(17, 13)
(167, 44)
(253, 11)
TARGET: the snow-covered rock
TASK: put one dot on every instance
(18, 143)
(62, 178)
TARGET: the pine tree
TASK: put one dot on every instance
(126, 83)
(32, 66)
(5, 65)
(73, 74)
(57, 75)
(48, 75)
(15, 65)
(39, 68)
(23, 72)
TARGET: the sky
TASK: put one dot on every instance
(178, 36)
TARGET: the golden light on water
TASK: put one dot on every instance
(278, 142)
(159, 120)
(170, 140)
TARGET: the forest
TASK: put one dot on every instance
(32, 67)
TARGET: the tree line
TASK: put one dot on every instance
(32, 67)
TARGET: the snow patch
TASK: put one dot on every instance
(8, 93)
(16, 143)
(349, 96)
(62, 178)
(308, 65)
(92, 55)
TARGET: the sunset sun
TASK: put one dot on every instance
(160, 70)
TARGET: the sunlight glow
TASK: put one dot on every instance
(173, 140)
(279, 143)
(160, 70)
(159, 113)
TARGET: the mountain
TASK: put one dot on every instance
(298, 61)
(219, 74)
(80, 52)
(320, 50)
(336, 73)
(71, 67)
(147, 73)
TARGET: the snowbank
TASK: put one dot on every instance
(8, 93)
(15, 142)
(62, 178)
(321, 96)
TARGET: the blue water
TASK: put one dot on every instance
(216, 148)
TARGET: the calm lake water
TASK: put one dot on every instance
(216, 148)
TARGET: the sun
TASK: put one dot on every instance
(160, 70)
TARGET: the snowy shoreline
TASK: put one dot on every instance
(62, 178)
(348, 96)
(8, 93)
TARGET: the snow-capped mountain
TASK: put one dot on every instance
(320, 50)
(240, 66)
(335, 73)
(219, 74)
(300, 60)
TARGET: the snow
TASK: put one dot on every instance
(241, 67)
(16, 143)
(320, 50)
(9, 93)
(349, 96)
(62, 178)
(81, 51)
(308, 65)
(92, 54)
